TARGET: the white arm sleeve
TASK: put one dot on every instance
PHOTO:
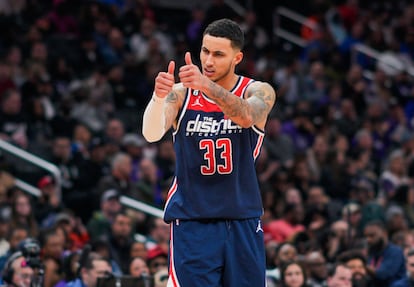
(153, 125)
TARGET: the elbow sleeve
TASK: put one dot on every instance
(153, 124)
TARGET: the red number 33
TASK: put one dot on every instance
(221, 165)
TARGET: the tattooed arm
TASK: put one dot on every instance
(173, 104)
(252, 110)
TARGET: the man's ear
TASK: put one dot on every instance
(238, 57)
(83, 271)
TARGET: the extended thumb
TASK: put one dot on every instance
(171, 67)
(188, 60)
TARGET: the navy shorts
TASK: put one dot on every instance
(217, 253)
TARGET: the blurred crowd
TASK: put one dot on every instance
(336, 169)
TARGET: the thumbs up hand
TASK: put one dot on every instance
(165, 81)
(190, 75)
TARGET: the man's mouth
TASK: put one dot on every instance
(208, 72)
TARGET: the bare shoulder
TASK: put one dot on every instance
(261, 91)
(258, 88)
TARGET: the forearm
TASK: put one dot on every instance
(236, 108)
(252, 109)
(153, 125)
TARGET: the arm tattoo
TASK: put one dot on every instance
(173, 103)
(254, 108)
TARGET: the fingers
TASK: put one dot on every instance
(171, 67)
(188, 60)
(165, 81)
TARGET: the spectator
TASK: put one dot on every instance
(315, 84)
(158, 234)
(194, 28)
(61, 22)
(317, 269)
(13, 122)
(404, 197)
(409, 264)
(96, 166)
(6, 80)
(385, 260)
(285, 252)
(394, 175)
(116, 52)
(293, 274)
(49, 203)
(89, 57)
(351, 213)
(316, 197)
(395, 220)
(22, 214)
(317, 157)
(138, 249)
(138, 267)
(100, 223)
(300, 128)
(17, 272)
(288, 81)
(5, 214)
(52, 243)
(140, 43)
(93, 268)
(120, 240)
(81, 139)
(284, 229)
(14, 60)
(70, 165)
(119, 178)
(347, 122)
(74, 229)
(14, 237)
(149, 185)
(97, 104)
(165, 158)
(339, 239)
(114, 133)
(339, 275)
(357, 262)
(279, 145)
(63, 124)
(133, 145)
(256, 36)
(69, 268)
(102, 247)
(157, 259)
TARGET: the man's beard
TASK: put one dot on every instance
(222, 76)
(377, 247)
(361, 281)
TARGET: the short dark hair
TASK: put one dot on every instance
(378, 223)
(352, 254)
(333, 268)
(92, 257)
(226, 28)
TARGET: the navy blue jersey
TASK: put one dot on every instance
(215, 163)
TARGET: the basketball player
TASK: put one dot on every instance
(214, 202)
